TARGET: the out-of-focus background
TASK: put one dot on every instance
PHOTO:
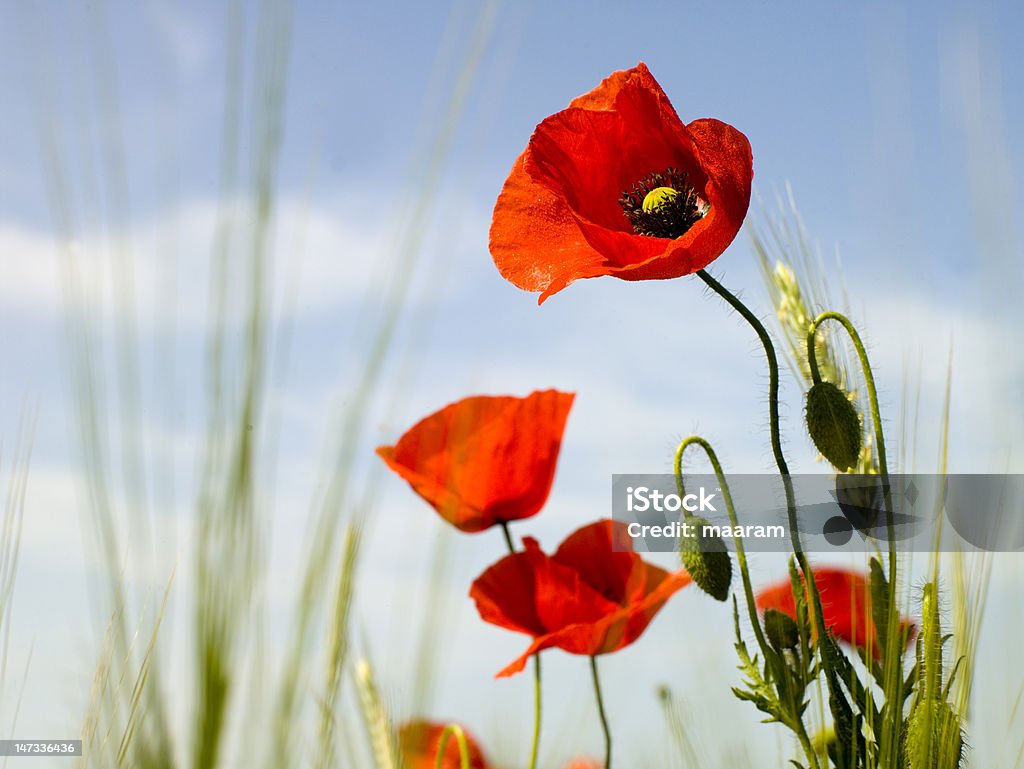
(130, 128)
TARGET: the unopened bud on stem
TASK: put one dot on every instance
(833, 425)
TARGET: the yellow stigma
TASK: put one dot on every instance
(658, 197)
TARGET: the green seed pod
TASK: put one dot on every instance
(932, 737)
(706, 558)
(833, 425)
(781, 630)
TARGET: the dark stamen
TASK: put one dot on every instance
(673, 215)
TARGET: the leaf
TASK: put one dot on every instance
(880, 604)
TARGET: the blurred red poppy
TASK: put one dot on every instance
(419, 742)
(593, 596)
(584, 763)
(616, 184)
(845, 601)
(484, 460)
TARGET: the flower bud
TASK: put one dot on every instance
(781, 630)
(932, 738)
(833, 425)
(706, 558)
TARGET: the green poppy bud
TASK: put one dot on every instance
(932, 738)
(706, 558)
(833, 425)
(781, 630)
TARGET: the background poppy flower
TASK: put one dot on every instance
(845, 602)
(419, 742)
(586, 598)
(484, 460)
(617, 184)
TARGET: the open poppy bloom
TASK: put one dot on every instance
(419, 742)
(616, 184)
(484, 460)
(593, 596)
(845, 602)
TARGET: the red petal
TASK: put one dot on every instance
(484, 460)
(586, 599)
(532, 593)
(846, 605)
(534, 239)
(845, 601)
(604, 95)
(420, 741)
(590, 157)
(584, 763)
(724, 156)
(591, 552)
(778, 596)
(557, 218)
(610, 633)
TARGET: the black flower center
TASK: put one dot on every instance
(662, 205)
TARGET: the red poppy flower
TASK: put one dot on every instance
(593, 596)
(845, 601)
(617, 184)
(420, 740)
(584, 763)
(484, 460)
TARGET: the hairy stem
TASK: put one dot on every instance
(741, 558)
(780, 460)
(892, 662)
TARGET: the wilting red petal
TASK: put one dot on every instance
(586, 599)
(845, 602)
(484, 460)
(558, 219)
(419, 742)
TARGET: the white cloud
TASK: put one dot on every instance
(322, 256)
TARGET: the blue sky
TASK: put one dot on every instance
(893, 124)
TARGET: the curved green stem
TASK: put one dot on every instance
(460, 738)
(869, 378)
(741, 555)
(892, 663)
(535, 748)
(601, 712)
(776, 441)
(773, 396)
(876, 418)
